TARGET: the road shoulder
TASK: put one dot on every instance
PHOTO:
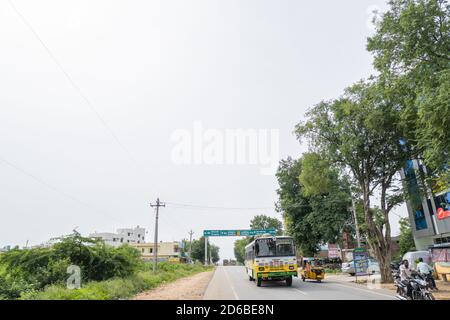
(188, 288)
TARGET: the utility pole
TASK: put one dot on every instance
(358, 239)
(155, 249)
(190, 245)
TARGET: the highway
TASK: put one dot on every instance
(231, 283)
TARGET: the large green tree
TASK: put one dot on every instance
(411, 48)
(315, 211)
(198, 251)
(360, 134)
(265, 222)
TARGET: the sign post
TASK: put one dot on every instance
(238, 233)
(233, 233)
(360, 262)
(206, 251)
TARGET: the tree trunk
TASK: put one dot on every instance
(385, 269)
(377, 242)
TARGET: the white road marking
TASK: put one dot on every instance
(302, 292)
(365, 290)
(231, 286)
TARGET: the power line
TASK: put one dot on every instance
(42, 182)
(51, 187)
(71, 81)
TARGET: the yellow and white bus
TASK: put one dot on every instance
(271, 258)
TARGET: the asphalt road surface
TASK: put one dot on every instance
(231, 283)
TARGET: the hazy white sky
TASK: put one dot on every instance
(149, 68)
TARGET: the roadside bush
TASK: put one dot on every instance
(35, 269)
(118, 288)
(10, 290)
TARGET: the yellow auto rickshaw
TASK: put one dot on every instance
(311, 269)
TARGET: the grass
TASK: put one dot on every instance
(332, 271)
(118, 288)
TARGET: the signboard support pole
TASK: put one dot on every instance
(206, 251)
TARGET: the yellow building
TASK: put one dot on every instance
(167, 251)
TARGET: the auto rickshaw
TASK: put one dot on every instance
(312, 270)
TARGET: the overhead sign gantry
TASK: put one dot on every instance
(233, 233)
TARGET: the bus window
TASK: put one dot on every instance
(285, 247)
(265, 248)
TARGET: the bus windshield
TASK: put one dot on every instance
(272, 247)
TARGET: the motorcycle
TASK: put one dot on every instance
(428, 278)
(419, 287)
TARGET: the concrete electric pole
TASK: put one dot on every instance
(155, 249)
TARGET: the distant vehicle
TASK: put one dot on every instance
(413, 256)
(349, 267)
(271, 258)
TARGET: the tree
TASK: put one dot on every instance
(198, 251)
(406, 240)
(316, 175)
(239, 249)
(360, 134)
(316, 213)
(411, 48)
(266, 222)
(214, 253)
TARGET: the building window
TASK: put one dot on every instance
(142, 250)
(151, 250)
(129, 234)
(415, 196)
(443, 201)
(420, 221)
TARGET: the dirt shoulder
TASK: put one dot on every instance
(189, 288)
(442, 294)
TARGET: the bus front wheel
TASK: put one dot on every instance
(289, 281)
(258, 282)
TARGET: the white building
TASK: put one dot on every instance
(5, 249)
(122, 236)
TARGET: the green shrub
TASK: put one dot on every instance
(118, 288)
(39, 268)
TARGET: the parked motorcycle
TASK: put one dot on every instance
(419, 287)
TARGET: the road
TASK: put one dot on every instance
(231, 283)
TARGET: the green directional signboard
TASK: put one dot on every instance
(237, 233)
